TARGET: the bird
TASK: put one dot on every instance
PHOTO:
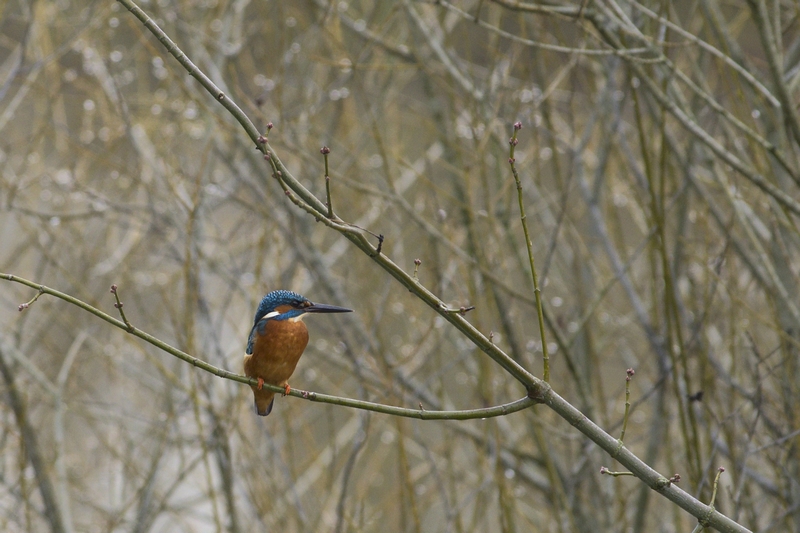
(276, 342)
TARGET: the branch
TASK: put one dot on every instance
(422, 414)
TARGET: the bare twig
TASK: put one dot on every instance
(536, 290)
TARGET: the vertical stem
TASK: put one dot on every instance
(537, 292)
(325, 151)
(630, 374)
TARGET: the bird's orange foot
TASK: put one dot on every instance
(286, 389)
(260, 384)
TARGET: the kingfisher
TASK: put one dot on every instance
(277, 341)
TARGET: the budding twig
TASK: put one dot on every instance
(118, 305)
(629, 375)
(27, 304)
(325, 151)
(512, 142)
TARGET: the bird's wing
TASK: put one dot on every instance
(251, 340)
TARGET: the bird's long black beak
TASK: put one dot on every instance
(325, 308)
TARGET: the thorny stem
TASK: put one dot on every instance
(537, 292)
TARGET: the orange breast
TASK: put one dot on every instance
(277, 351)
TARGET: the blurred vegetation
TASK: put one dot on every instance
(659, 165)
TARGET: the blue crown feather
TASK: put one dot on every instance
(274, 300)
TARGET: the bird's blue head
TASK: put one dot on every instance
(281, 305)
(285, 305)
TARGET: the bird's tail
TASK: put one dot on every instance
(264, 401)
